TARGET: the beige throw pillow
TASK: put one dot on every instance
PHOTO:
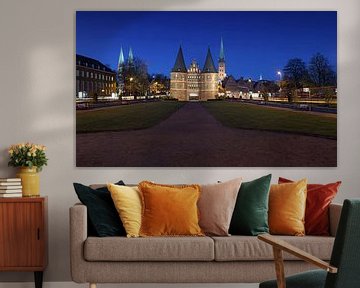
(216, 206)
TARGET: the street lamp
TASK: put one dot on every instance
(131, 79)
(279, 73)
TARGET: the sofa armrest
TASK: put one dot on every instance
(334, 217)
(78, 235)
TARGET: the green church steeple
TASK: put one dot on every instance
(131, 56)
(121, 58)
(222, 54)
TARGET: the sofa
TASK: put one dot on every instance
(233, 259)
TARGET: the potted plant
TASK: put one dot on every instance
(30, 158)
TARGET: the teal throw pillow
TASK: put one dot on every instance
(250, 216)
(103, 219)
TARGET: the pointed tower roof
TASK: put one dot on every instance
(179, 65)
(121, 57)
(131, 56)
(222, 54)
(209, 66)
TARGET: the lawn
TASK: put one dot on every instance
(126, 117)
(249, 116)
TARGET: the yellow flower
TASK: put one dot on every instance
(11, 151)
(29, 154)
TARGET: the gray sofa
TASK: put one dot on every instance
(234, 259)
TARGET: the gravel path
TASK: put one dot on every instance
(191, 137)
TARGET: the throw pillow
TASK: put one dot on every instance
(169, 210)
(127, 201)
(287, 204)
(318, 200)
(216, 206)
(250, 215)
(102, 215)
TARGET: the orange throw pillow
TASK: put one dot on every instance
(169, 210)
(318, 200)
(287, 204)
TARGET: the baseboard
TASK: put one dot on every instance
(74, 285)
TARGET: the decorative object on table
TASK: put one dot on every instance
(30, 158)
(10, 187)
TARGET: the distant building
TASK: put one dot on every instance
(93, 77)
(193, 83)
(248, 89)
(231, 87)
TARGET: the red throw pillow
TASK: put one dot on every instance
(319, 197)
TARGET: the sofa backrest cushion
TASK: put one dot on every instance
(127, 201)
(287, 204)
(319, 197)
(102, 215)
(216, 206)
(169, 210)
(250, 215)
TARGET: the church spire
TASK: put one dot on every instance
(209, 66)
(222, 54)
(121, 58)
(131, 56)
(179, 65)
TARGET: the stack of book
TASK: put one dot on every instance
(10, 187)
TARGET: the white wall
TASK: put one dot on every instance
(37, 48)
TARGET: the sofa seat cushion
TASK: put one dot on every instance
(149, 249)
(244, 248)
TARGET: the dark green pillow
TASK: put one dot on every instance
(250, 216)
(103, 218)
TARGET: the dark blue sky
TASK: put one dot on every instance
(255, 42)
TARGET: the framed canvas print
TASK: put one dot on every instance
(206, 89)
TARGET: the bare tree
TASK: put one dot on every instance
(295, 77)
(134, 77)
(320, 71)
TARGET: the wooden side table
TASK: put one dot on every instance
(23, 235)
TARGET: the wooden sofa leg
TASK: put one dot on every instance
(92, 285)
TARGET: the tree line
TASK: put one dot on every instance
(318, 73)
(134, 79)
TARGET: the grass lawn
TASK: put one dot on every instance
(247, 116)
(127, 117)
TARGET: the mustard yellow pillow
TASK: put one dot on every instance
(169, 210)
(127, 201)
(287, 204)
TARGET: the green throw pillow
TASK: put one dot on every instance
(250, 215)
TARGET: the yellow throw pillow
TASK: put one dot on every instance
(127, 201)
(287, 204)
(169, 210)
